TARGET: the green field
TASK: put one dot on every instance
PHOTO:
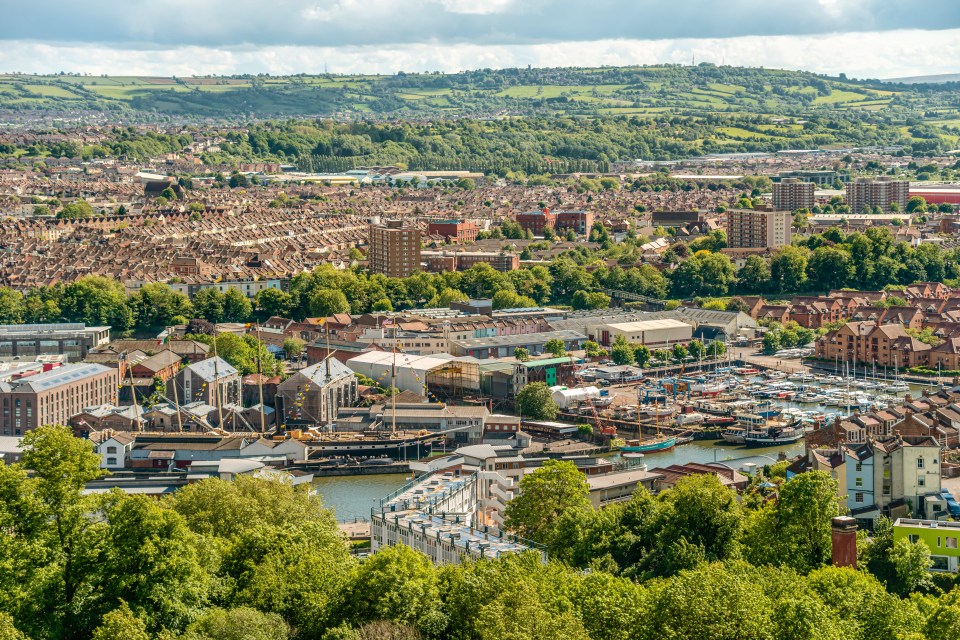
(703, 91)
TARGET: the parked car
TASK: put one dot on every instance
(953, 507)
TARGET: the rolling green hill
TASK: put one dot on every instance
(604, 91)
(531, 120)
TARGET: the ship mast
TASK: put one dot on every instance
(393, 385)
(176, 402)
(263, 423)
(133, 390)
(216, 379)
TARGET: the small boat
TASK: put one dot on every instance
(657, 411)
(686, 419)
(734, 435)
(660, 443)
(897, 387)
(774, 436)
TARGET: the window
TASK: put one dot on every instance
(940, 563)
(858, 497)
(913, 538)
(859, 482)
(859, 467)
(111, 449)
(111, 461)
(951, 542)
(919, 463)
(921, 481)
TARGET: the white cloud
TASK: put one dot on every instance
(864, 55)
(477, 7)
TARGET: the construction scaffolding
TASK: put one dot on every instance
(454, 380)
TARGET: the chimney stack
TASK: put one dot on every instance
(844, 538)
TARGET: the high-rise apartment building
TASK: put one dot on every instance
(877, 192)
(791, 194)
(757, 229)
(394, 249)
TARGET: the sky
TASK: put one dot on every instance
(862, 38)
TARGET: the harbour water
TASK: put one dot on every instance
(353, 496)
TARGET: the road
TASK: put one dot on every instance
(754, 357)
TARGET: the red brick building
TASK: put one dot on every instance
(536, 221)
(579, 221)
(457, 231)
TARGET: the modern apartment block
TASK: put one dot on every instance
(447, 516)
(72, 339)
(941, 537)
(54, 396)
(758, 229)
(394, 249)
(791, 194)
(877, 192)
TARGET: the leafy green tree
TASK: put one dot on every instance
(521, 354)
(156, 304)
(398, 584)
(943, 621)
(121, 623)
(641, 354)
(829, 268)
(696, 349)
(151, 561)
(679, 352)
(507, 299)
(796, 530)
(97, 301)
(12, 306)
(56, 540)
(709, 274)
(716, 349)
(754, 275)
(788, 269)
(242, 352)
(293, 347)
(383, 304)
(236, 306)
(242, 623)
(548, 493)
(588, 300)
(771, 342)
(621, 352)
(710, 601)
(534, 401)
(274, 302)
(75, 210)
(593, 350)
(698, 520)
(555, 347)
(327, 302)
(911, 566)
(208, 303)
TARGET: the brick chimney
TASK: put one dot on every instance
(844, 538)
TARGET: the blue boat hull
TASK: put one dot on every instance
(659, 445)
